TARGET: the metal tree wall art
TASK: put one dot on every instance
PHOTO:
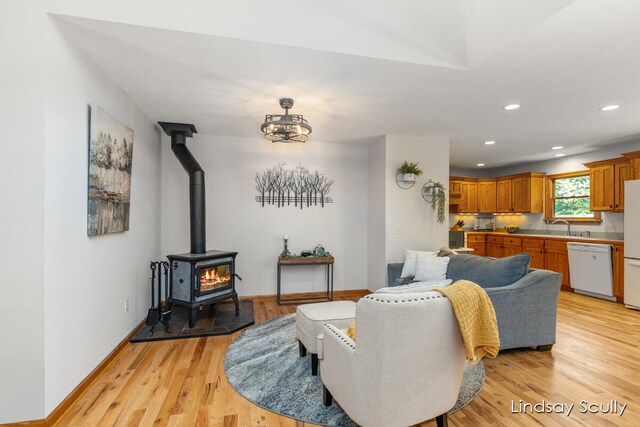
(297, 187)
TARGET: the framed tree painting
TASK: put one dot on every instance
(110, 160)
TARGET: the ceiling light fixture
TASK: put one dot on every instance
(610, 108)
(557, 147)
(286, 127)
(559, 155)
(480, 164)
(512, 107)
(489, 142)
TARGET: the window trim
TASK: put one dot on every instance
(548, 206)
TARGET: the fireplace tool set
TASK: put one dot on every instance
(158, 312)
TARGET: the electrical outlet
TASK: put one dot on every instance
(273, 274)
(610, 228)
(397, 230)
(126, 304)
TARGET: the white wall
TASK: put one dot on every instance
(406, 210)
(87, 279)
(235, 221)
(21, 213)
(376, 226)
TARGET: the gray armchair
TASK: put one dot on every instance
(526, 309)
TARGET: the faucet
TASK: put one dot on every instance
(566, 222)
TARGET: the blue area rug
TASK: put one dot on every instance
(264, 366)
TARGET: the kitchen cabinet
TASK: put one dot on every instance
(455, 193)
(622, 173)
(523, 193)
(494, 246)
(634, 162)
(499, 247)
(511, 246)
(503, 195)
(556, 258)
(618, 272)
(478, 244)
(607, 183)
(486, 195)
(469, 198)
(535, 249)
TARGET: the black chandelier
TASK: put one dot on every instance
(286, 127)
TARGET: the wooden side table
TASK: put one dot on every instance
(327, 261)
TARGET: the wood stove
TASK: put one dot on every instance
(201, 277)
(196, 280)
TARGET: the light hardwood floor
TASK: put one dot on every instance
(182, 383)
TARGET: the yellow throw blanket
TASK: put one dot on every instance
(476, 317)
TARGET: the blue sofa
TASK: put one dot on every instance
(525, 300)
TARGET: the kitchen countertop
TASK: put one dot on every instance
(546, 236)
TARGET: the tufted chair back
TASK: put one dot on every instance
(407, 362)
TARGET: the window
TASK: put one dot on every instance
(568, 197)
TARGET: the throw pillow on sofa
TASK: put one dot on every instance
(415, 287)
(410, 257)
(488, 272)
(430, 268)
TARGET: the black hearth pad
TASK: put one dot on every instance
(221, 321)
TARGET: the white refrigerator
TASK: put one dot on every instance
(632, 244)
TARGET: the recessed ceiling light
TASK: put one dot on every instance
(610, 108)
(559, 155)
(489, 142)
(557, 147)
(512, 107)
(480, 164)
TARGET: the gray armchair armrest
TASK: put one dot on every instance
(527, 309)
(393, 272)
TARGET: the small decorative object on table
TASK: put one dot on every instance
(285, 253)
(511, 228)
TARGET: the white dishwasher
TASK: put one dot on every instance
(591, 269)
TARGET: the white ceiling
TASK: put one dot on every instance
(363, 68)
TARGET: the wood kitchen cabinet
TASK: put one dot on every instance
(499, 247)
(455, 193)
(494, 246)
(607, 183)
(469, 198)
(634, 162)
(523, 193)
(503, 195)
(511, 246)
(622, 173)
(535, 249)
(478, 244)
(486, 195)
(556, 258)
(601, 193)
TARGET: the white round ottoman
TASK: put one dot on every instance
(310, 319)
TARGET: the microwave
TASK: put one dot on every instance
(480, 224)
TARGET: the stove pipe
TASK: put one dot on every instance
(179, 132)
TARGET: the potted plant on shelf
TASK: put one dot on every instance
(409, 171)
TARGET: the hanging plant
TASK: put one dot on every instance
(409, 171)
(436, 194)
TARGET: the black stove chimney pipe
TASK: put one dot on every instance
(179, 132)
